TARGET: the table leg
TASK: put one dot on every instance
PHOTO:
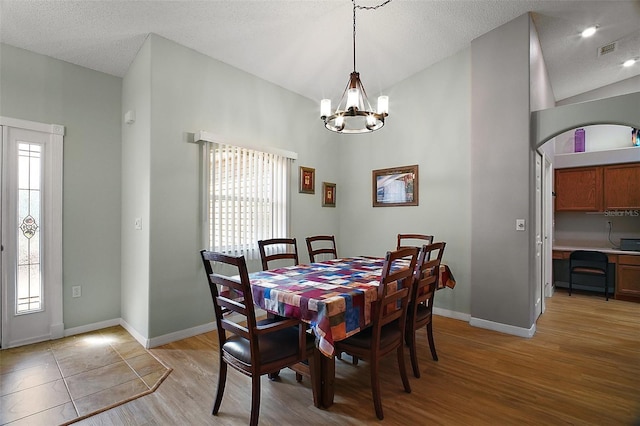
(328, 373)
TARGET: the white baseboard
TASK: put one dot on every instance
(91, 327)
(205, 328)
(451, 314)
(503, 328)
(144, 341)
(29, 341)
(179, 335)
(57, 331)
(134, 333)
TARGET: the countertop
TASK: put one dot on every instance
(568, 245)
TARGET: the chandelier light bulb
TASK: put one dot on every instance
(325, 107)
(383, 105)
(371, 120)
(353, 97)
(588, 32)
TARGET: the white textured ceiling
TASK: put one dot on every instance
(306, 45)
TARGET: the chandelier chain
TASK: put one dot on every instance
(355, 6)
(373, 7)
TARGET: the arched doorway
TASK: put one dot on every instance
(547, 124)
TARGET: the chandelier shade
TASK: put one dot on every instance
(354, 113)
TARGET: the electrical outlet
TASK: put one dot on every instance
(138, 223)
(76, 291)
(520, 225)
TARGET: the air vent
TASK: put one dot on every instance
(608, 48)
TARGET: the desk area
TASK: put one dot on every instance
(626, 265)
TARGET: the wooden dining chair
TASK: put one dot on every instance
(420, 311)
(389, 313)
(278, 249)
(413, 240)
(321, 244)
(254, 348)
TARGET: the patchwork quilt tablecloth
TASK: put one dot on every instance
(335, 296)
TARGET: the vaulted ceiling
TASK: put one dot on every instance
(306, 45)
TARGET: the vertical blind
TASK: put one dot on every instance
(247, 198)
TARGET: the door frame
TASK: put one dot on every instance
(52, 244)
(544, 213)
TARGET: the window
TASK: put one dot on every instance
(247, 198)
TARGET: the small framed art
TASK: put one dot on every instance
(328, 194)
(397, 186)
(307, 180)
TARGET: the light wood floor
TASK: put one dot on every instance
(582, 367)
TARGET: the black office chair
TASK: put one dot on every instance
(587, 263)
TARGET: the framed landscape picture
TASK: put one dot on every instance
(328, 194)
(397, 186)
(307, 180)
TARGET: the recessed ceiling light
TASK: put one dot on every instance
(629, 62)
(589, 31)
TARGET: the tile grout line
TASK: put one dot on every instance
(151, 389)
(64, 379)
(128, 365)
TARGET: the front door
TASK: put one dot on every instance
(31, 231)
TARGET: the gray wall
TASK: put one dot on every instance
(189, 92)
(501, 173)
(429, 125)
(136, 183)
(38, 88)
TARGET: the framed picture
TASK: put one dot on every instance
(328, 194)
(397, 186)
(307, 180)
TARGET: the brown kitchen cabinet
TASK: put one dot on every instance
(579, 189)
(598, 188)
(621, 186)
(628, 278)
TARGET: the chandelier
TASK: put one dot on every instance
(354, 113)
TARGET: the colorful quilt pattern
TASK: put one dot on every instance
(334, 296)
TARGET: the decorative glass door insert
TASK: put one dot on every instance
(29, 278)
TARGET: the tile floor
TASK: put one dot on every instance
(55, 382)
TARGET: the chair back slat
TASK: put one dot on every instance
(393, 306)
(413, 240)
(321, 245)
(223, 303)
(278, 249)
(232, 305)
(427, 274)
(236, 328)
(394, 288)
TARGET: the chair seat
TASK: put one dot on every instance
(389, 335)
(273, 346)
(584, 270)
(422, 313)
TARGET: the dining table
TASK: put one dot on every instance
(335, 297)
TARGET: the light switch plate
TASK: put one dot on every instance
(520, 225)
